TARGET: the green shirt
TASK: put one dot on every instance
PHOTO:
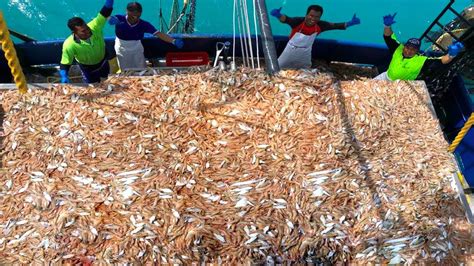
(86, 53)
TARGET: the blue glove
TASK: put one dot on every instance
(388, 20)
(64, 78)
(109, 3)
(276, 12)
(354, 21)
(113, 20)
(455, 48)
(178, 43)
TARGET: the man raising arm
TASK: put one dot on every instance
(407, 63)
(304, 30)
(86, 45)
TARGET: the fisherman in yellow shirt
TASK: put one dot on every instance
(86, 45)
(407, 63)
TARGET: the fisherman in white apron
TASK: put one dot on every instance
(130, 30)
(304, 30)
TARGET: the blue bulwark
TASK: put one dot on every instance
(49, 52)
(460, 109)
(465, 157)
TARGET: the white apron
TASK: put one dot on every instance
(297, 53)
(383, 76)
(129, 54)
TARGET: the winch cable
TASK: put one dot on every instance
(233, 32)
(248, 32)
(241, 17)
(243, 41)
(243, 33)
(256, 33)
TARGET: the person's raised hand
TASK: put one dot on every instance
(109, 3)
(389, 20)
(354, 21)
(276, 12)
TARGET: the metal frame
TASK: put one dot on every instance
(38, 86)
(464, 198)
(436, 22)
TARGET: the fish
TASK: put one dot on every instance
(230, 167)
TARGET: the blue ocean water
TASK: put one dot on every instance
(46, 19)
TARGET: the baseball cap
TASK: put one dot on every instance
(413, 42)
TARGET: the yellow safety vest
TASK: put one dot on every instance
(405, 68)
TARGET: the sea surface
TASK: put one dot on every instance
(46, 19)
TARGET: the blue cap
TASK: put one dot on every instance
(413, 42)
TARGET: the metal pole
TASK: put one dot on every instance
(20, 36)
(268, 43)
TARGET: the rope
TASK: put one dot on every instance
(174, 17)
(462, 133)
(10, 55)
(163, 24)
